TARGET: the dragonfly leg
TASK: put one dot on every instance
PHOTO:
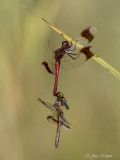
(70, 55)
(72, 50)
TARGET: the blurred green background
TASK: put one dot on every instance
(93, 94)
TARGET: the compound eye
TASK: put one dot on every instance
(65, 43)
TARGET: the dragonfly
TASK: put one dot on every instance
(57, 116)
(96, 58)
(69, 56)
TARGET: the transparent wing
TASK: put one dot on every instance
(65, 126)
(63, 119)
(74, 56)
(46, 104)
(69, 63)
(77, 58)
(52, 119)
(86, 36)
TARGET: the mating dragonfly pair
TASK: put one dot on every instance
(68, 56)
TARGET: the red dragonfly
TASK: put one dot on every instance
(69, 56)
(58, 116)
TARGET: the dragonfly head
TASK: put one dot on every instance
(60, 95)
(65, 44)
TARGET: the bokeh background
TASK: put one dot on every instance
(93, 94)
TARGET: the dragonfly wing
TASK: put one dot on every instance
(49, 66)
(68, 63)
(51, 119)
(74, 57)
(86, 36)
(64, 119)
(46, 104)
(65, 126)
(77, 58)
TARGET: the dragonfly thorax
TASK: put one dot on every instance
(59, 53)
(58, 102)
